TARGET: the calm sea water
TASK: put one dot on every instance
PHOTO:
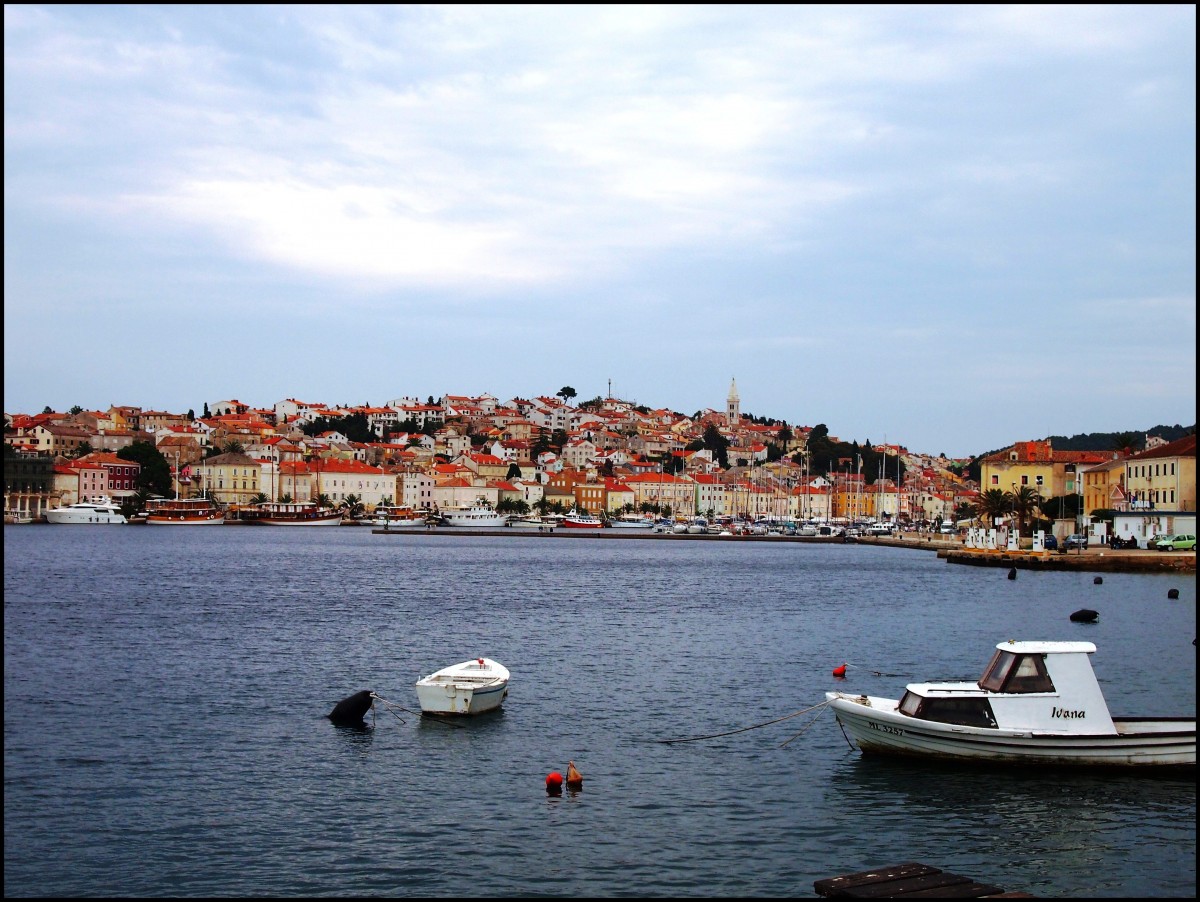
(165, 694)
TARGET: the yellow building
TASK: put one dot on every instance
(1163, 478)
(1037, 466)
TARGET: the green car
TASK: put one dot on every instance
(1178, 542)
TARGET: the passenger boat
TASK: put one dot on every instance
(471, 687)
(100, 510)
(578, 519)
(296, 513)
(1037, 703)
(183, 512)
(479, 515)
(398, 516)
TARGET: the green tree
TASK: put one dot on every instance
(992, 504)
(74, 410)
(1126, 442)
(1024, 502)
(234, 447)
(155, 475)
(84, 449)
(514, 471)
(206, 415)
(566, 393)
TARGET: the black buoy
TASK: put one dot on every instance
(1012, 572)
(1098, 581)
(1085, 615)
(1172, 593)
(350, 711)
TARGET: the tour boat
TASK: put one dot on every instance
(183, 512)
(398, 516)
(479, 515)
(1037, 703)
(471, 687)
(101, 510)
(578, 519)
(297, 513)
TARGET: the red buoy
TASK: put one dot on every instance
(554, 782)
(840, 672)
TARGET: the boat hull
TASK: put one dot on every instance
(216, 519)
(471, 687)
(335, 520)
(876, 727)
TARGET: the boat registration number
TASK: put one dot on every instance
(884, 728)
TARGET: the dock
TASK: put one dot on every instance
(910, 880)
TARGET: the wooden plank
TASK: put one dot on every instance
(887, 889)
(969, 890)
(830, 886)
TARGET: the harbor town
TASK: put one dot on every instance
(547, 462)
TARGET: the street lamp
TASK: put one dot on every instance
(1014, 510)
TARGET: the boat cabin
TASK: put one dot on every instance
(1025, 686)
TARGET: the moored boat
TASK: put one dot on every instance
(184, 512)
(1037, 703)
(471, 687)
(479, 515)
(100, 510)
(631, 521)
(398, 516)
(297, 513)
(578, 519)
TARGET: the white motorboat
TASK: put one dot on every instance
(631, 521)
(1038, 703)
(101, 510)
(471, 687)
(580, 519)
(479, 515)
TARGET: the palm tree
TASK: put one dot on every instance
(1024, 501)
(992, 504)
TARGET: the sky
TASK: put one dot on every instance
(951, 228)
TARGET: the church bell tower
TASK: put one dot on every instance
(733, 409)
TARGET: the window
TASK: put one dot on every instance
(1008, 672)
(1024, 480)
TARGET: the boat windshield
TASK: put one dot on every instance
(968, 711)
(1008, 672)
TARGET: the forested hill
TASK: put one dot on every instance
(1106, 441)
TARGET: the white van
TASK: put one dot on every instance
(948, 529)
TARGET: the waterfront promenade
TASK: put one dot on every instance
(951, 548)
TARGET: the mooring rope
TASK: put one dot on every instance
(810, 723)
(744, 729)
(390, 705)
(876, 672)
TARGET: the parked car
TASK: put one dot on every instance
(1050, 542)
(1076, 540)
(1178, 542)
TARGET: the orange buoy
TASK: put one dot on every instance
(840, 672)
(574, 777)
(554, 782)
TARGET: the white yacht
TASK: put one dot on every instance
(479, 515)
(101, 510)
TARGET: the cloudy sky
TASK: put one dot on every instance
(950, 227)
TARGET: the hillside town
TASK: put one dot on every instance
(605, 457)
